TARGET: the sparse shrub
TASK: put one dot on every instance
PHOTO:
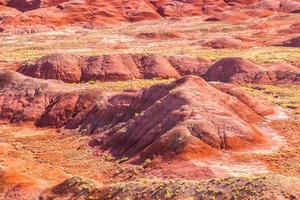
(108, 157)
(91, 82)
(124, 159)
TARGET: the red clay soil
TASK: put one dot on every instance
(49, 14)
(48, 104)
(137, 124)
(78, 13)
(224, 42)
(23, 5)
(75, 69)
(286, 160)
(188, 65)
(16, 186)
(172, 118)
(6, 12)
(71, 68)
(292, 42)
(292, 29)
(240, 70)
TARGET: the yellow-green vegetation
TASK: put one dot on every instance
(123, 39)
(263, 55)
(262, 187)
(123, 85)
(286, 96)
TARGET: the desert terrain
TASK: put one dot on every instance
(149, 99)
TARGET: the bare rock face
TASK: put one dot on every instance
(48, 104)
(71, 68)
(21, 99)
(109, 68)
(224, 42)
(58, 66)
(233, 70)
(292, 42)
(187, 65)
(7, 13)
(240, 70)
(23, 5)
(74, 68)
(266, 4)
(166, 119)
(179, 8)
(243, 2)
(292, 29)
(111, 12)
(285, 73)
(63, 12)
(288, 6)
(154, 66)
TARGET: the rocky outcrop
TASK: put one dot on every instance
(72, 68)
(289, 6)
(23, 5)
(7, 13)
(224, 42)
(168, 118)
(50, 104)
(292, 42)
(188, 65)
(52, 14)
(63, 67)
(240, 70)
(164, 119)
(78, 13)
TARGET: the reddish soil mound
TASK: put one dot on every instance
(239, 70)
(285, 73)
(63, 67)
(243, 2)
(293, 29)
(179, 8)
(57, 13)
(162, 119)
(293, 42)
(91, 13)
(23, 5)
(289, 6)
(171, 118)
(46, 103)
(71, 68)
(228, 16)
(224, 42)
(266, 4)
(74, 68)
(187, 65)
(6, 13)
